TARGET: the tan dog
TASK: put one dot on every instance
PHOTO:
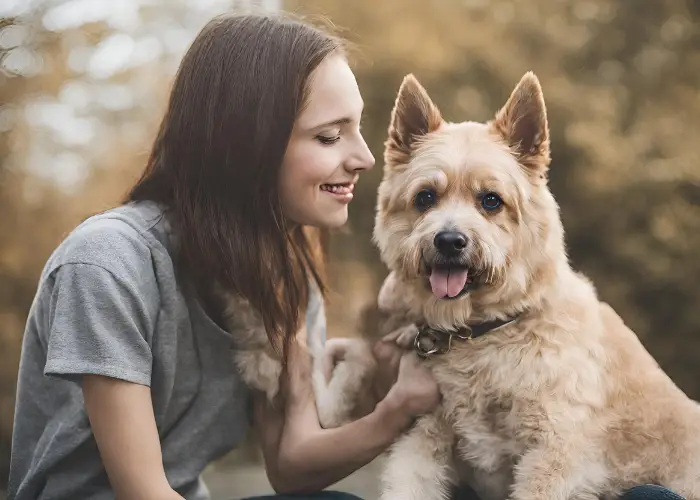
(556, 398)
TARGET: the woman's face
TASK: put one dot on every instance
(326, 152)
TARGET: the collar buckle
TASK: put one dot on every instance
(428, 342)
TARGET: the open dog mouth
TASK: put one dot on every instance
(451, 281)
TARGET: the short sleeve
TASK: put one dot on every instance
(316, 318)
(100, 324)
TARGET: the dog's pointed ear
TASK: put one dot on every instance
(414, 115)
(522, 122)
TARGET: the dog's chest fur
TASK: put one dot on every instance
(503, 394)
(482, 414)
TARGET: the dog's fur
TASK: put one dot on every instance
(339, 400)
(564, 404)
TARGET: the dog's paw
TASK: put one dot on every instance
(340, 380)
(333, 353)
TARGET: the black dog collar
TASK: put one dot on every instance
(430, 341)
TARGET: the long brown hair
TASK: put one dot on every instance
(216, 159)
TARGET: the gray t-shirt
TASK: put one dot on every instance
(108, 303)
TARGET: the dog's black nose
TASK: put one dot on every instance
(450, 243)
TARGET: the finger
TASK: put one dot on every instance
(387, 348)
(381, 351)
(394, 360)
(407, 336)
(391, 337)
(394, 335)
(390, 366)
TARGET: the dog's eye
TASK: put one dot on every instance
(491, 201)
(425, 199)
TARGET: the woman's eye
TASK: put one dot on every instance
(328, 140)
(425, 199)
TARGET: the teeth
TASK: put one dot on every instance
(338, 188)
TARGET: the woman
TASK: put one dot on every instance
(127, 386)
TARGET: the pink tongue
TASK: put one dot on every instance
(447, 283)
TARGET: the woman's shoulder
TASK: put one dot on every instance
(122, 239)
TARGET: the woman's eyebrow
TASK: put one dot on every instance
(339, 121)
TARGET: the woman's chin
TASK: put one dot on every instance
(332, 219)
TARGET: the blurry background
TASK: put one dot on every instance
(83, 85)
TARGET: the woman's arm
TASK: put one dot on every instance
(122, 420)
(302, 457)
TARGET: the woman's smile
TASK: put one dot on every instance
(342, 192)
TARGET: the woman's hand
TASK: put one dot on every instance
(399, 372)
(388, 353)
(302, 457)
(415, 392)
